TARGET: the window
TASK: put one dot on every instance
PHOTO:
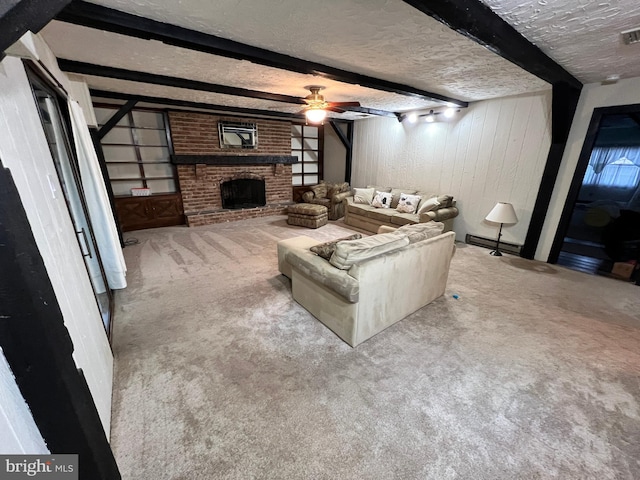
(306, 144)
(137, 152)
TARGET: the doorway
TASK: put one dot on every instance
(599, 232)
(56, 126)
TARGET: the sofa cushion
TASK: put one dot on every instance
(349, 253)
(416, 232)
(405, 218)
(380, 214)
(396, 192)
(325, 250)
(358, 208)
(382, 200)
(408, 203)
(363, 195)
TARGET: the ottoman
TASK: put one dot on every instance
(307, 215)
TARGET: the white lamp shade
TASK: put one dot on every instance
(502, 213)
(316, 115)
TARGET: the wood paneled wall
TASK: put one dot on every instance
(494, 151)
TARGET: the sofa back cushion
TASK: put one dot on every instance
(326, 249)
(351, 252)
(363, 195)
(379, 188)
(396, 192)
(418, 232)
(320, 190)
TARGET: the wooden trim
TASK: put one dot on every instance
(103, 18)
(232, 159)
(477, 21)
(38, 347)
(21, 16)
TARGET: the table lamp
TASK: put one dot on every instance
(502, 213)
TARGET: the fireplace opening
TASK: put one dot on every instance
(243, 193)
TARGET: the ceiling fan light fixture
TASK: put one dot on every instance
(412, 117)
(449, 112)
(315, 115)
(430, 118)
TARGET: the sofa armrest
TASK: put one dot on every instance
(443, 214)
(339, 197)
(324, 273)
(308, 196)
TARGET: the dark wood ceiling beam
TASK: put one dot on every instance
(115, 118)
(143, 77)
(477, 21)
(370, 111)
(185, 103)
(17, 17)
(103, 18)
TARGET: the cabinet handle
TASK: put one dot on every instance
(86, 243)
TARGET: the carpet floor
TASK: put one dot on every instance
(533, 372)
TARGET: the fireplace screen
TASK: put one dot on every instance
(243, 193)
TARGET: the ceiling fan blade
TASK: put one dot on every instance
(344, 104)
(335, 109)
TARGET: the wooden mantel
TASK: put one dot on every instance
(232, 159)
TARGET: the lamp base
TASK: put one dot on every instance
(496, 253)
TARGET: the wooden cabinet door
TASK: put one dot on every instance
(137, 213)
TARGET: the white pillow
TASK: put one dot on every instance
(429, 204)
(408, 203)
(382, 200)
(363, 195)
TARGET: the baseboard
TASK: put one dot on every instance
(491, 243)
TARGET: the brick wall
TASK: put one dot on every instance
(197, 134)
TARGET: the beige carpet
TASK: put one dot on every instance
(533, 373)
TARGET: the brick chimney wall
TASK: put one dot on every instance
(197, 134)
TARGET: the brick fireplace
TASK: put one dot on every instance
(203, 166)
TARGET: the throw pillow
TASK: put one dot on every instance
(325, 250)
(320, 190)
(382, 200)
(408, 203)
(397, 192)
(429, 204)
(363, 195)
(445, 201)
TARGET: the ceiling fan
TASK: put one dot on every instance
(317, 106)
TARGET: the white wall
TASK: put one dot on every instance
(595, 95)
(334, 156)
(495, 152)
(24, 150)
(18, 431)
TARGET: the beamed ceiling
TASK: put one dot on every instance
(389, 55)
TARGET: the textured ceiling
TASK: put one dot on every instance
(581, 35)
(386, 39)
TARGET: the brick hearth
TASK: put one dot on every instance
(197, 134)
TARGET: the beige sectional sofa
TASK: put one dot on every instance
(371, 283)
(370, 218)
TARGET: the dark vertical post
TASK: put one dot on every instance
(349, 157)
(38, 347)
(563, 107)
